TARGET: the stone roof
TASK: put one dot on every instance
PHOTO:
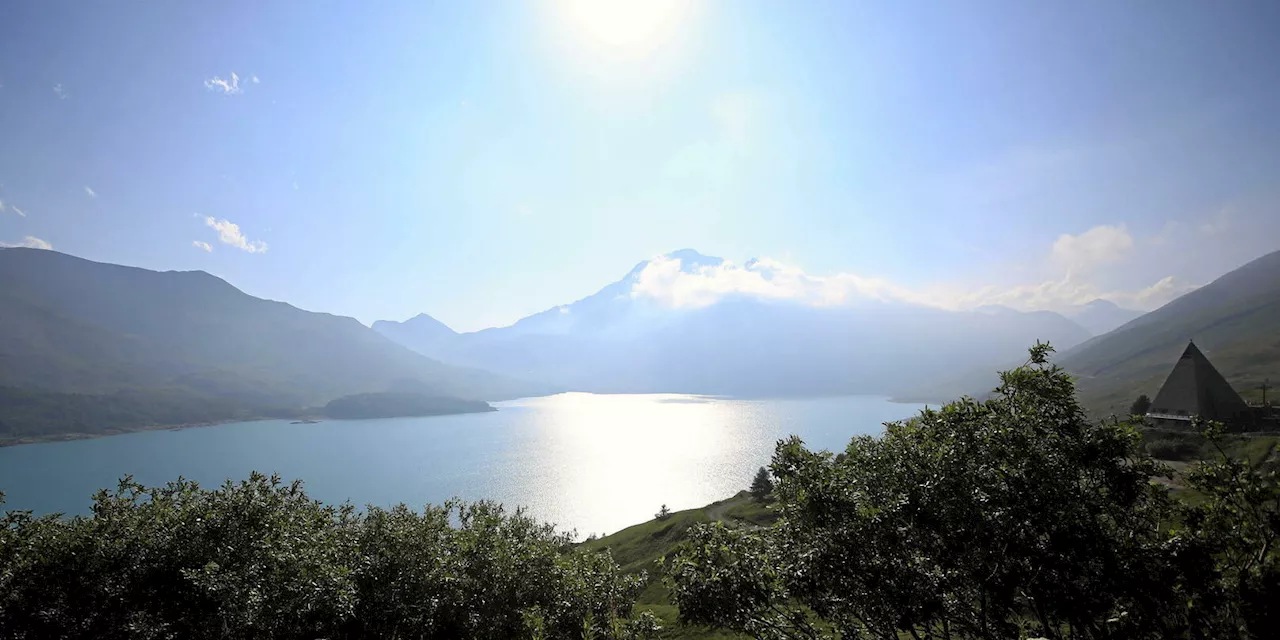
(1195, 388)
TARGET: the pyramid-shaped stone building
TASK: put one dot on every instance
(1195, 388)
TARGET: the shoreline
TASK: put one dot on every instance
(68, 437)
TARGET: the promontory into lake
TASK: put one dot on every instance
(400, 405)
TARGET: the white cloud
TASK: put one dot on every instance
(89, 191)
(672, 284)
(1098, 246)
(31, 242)
(1162, 292)
(229, 233)
(10, 206)
(255, 79)
(1071, 290)
(227, 87)
(203, 246)
(1074, 258)
(60, 91)
(1219, 223)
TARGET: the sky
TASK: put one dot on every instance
(484, 161)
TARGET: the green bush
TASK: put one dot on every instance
(259, 559)
(1010, 518)
(1173, 450)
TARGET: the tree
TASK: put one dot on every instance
(259, 559)
(1140, 406)
(663, 513)
(1236, 523)
(762, 485)
(1013, 517)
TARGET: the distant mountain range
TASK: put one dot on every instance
(1100, 316)
(87, 347)
(189, 347)
(617, 340)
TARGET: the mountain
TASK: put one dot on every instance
(421, 333)
(1233, 320)
(1100, 316)
(621, 340)
(73, 326)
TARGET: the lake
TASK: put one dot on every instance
(595, 463)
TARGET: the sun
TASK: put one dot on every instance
(624, 27)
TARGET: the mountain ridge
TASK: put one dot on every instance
(71, 325)
(619, 340)
(1101, 316)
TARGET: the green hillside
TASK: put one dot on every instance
(641, 547)
(69, 325)
(1235, 320)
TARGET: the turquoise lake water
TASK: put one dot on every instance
(594, 463)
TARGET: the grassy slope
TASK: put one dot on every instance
(641, 547)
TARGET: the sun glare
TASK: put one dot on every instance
(626, 27)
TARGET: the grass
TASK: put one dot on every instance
(1186, 446)
(642, 547)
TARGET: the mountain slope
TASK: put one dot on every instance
(621, 340)
(1235, 320)
(71, 325)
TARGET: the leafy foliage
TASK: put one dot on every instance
(259, 559)
(1238, 523)
(762, 485)
(1140, 406)
(1013, 517)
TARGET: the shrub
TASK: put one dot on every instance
(259, 559)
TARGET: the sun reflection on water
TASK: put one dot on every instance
(594, 463)
(608, 461)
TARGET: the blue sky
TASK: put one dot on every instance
(483, 161)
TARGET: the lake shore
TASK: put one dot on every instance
(298, 419)
(67, 437)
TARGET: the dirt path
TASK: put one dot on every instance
(718, 510)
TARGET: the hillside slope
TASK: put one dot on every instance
(1235, 320)
(75, 326)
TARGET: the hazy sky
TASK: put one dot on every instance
(481, 161)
